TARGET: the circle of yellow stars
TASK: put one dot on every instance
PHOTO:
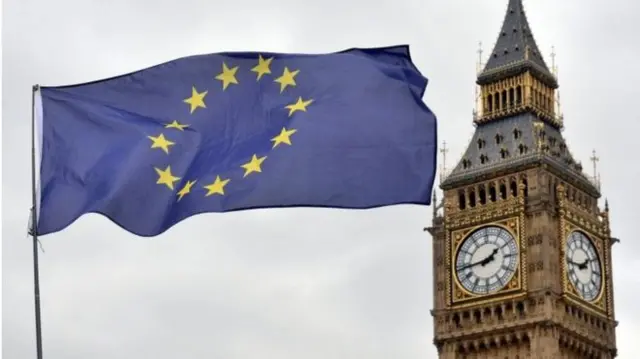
(197, 100)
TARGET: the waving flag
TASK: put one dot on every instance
(232, 131)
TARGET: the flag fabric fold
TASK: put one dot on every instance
(233, 131)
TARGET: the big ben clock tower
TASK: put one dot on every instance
(522, 252)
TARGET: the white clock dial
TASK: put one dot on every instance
(583, 266)
(486, 260)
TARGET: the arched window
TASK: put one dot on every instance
(462, 202)
(548, 103)
(456, 322)
(477, 316)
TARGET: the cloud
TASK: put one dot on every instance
(312, 283)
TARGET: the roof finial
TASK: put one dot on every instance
(479, 64)
(558, 109)
(476, 108)
(434, 204)
(444, 151)
(595, 160)
(554, 68)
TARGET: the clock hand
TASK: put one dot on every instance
(481, 262)
(583, 265)
(470, 265)
(490, 258)
(572, 262)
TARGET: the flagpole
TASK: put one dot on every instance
(34, 222)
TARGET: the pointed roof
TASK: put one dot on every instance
(516, 50)
(514, 144)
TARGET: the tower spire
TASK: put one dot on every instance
(516, 49)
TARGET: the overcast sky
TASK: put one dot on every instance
(295, 283)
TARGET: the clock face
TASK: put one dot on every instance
(583, 266)
(486, 260)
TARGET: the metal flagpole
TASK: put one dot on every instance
(34, 228)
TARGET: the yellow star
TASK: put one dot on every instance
(186, 189)
(217, 186)
(300, 105)
(177, 125)
(283, 137)
(196, 100)
(253, 165)
(287, 79)
(263, 67)
(227, 76)
(161, 142)
(165, 177)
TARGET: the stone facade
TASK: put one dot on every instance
(518, 176)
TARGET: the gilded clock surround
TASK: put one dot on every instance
(599, 303)
(459, 293)
(578, 236)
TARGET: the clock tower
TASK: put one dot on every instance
(521, 250)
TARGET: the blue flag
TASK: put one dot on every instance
(231, 131)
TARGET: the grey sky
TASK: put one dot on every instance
(296, 283)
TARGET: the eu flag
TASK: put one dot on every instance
(232, 131)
